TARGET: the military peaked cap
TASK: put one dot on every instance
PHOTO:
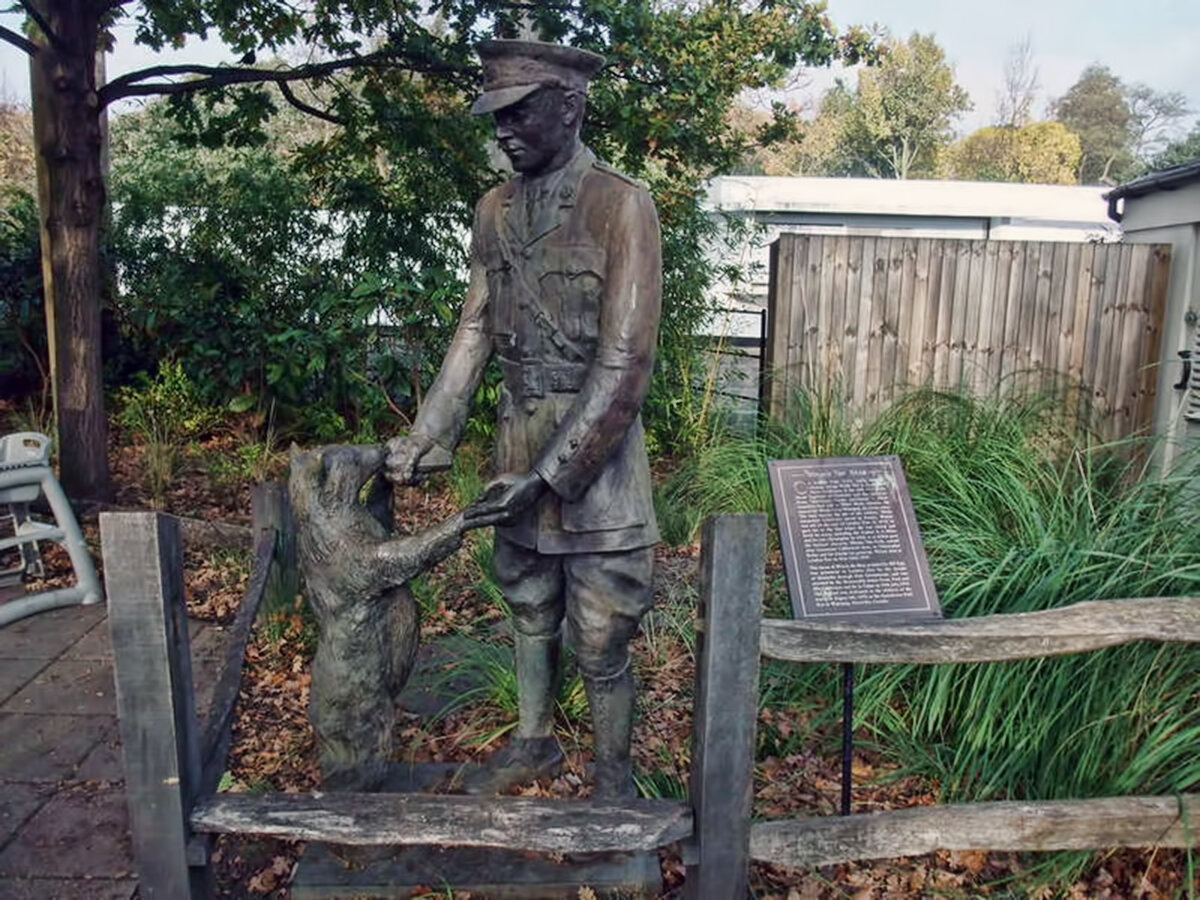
(512, 70)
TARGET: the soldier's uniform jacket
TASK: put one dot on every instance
(568, 298)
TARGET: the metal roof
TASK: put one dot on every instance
(1162, 180)
(875, 196)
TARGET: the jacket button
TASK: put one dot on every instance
(527, 252)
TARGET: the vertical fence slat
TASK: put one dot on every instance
(143, 576)
(271, 510)
(1072, 257)
(941, 360)
(929, 327)
(999, 312)
(891, 320)
(879, 289)
(1042, 262)
(857, 264)
(969, 342)
(1081, 308)
(732, 566)
(958, 316)
(1129, 357)
(775, 359)
(858, 397)
(917, 302)
(904, 314)
(807, 262)
(981, 333)
(835, 329)
(821, 310)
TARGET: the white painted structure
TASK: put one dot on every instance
(1164, 208)
(967, 210)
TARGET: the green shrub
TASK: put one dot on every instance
(166, 413)
(23, 353)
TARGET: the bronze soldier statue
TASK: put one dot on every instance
(565, 290)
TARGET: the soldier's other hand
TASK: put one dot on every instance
(504, 499)
(403, 454)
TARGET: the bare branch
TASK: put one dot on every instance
(18, 40)
(291, 98)
(42, 24)
(132, 84)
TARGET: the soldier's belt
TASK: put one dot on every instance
(530, 379)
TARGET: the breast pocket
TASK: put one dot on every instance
(571, 283)
(499, 277)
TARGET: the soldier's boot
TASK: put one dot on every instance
(533, 751)
(611, 702)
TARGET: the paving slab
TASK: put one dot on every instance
(16, 673)
(19, 802)
(62, 888)
(95, 645)
(82, 832)
(67, 687)
(47, 634)
(104, 762)
(48, 748)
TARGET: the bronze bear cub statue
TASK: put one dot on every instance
(357, 572)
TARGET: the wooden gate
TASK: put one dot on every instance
(872, 316)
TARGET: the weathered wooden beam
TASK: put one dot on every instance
(271, 513)
(516, 823)
(214, 745)
(1007, 825)
(1071, 629)
(732, 565)
(143, 575)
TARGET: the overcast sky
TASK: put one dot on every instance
(1151, 41)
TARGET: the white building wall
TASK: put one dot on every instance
(1172, 217)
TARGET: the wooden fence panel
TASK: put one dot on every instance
(871, 316)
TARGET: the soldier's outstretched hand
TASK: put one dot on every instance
(504, 499)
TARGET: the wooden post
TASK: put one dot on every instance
(143, 576)
(271, 509)
(732, 563)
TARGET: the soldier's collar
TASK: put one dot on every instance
(567, 177)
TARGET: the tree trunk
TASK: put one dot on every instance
(71, 200)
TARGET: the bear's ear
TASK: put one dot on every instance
(306, 461)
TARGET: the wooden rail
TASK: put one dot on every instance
(1071, 629)
(515, 823)
(218, 726)
(1007, 825)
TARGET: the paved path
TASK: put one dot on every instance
(64, 826)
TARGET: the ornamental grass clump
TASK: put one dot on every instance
(1020, 509)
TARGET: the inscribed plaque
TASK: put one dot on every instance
(851, 546)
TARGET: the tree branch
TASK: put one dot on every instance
(18, 40)
(291, 98)
(40, 21)
(131, 84)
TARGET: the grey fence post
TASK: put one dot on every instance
(143, 576)
(732, 563)
(271, 509)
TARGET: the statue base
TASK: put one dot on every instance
(482, 872)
